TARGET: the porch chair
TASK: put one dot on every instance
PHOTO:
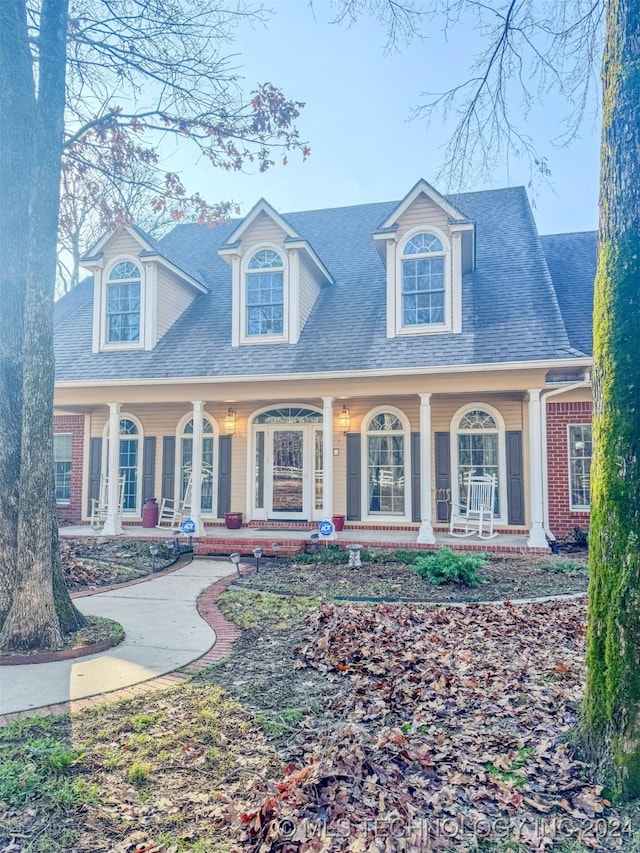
(475, 517)
(100, 506)
(173, 512)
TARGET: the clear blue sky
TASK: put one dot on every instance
(358, 102)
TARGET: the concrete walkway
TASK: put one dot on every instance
(164, 632)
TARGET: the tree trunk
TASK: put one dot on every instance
(16, 117)
(609, 730)
(32, 621)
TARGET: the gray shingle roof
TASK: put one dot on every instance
(571, 259)
(510, 309)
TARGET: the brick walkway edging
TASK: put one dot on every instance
(226, 634)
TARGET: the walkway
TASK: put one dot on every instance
(164, 632)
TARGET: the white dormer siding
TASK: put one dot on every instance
(292, 282)
(424, 212)
(164, 291)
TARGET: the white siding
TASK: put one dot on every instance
(173, 297)
(423, 212)
(309, 290)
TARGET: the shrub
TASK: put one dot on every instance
(563, 566)
(447, 566)
(408, 557)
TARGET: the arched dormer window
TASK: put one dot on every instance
(264, 282)
(424, 295)
(123, 304)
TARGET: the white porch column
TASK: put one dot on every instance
(537, 538)
(327, 457)
(113, 522)
(196, 466)
(425, 534)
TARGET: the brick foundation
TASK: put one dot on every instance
(71, 513)
(562, 519)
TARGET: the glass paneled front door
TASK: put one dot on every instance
(288, 473)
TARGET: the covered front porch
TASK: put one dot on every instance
(291, 540)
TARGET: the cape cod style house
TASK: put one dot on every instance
(357, 361)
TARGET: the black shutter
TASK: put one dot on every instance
(224, 475)
(415, 476)
(168, 466)
(149, 468)
(443, 476)
(515, 486)
(95, 469)
(354, 502)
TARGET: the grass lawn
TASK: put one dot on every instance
(330, 727)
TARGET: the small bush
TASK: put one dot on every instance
(565, 567)
(447, 566)
(408, 557)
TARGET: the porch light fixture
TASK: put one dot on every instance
(230, 422)
(344, 420)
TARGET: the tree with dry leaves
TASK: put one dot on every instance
(530, 49)
(89, 88)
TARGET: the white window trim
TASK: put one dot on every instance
(184, 420)
(502, 453)
(70, 434)
(118, 346)
(424, 328)
(261, 514)
(124, 416)
(284, 338)
(364, 465)
(576, 507)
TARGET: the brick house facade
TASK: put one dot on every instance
(71, 512)
(562, 519)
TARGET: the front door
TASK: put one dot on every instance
(288, 498)
(286, 474)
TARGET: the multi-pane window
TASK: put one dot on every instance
(579, 465)
(123, 303)
(423, 281)
(62, 466)
(186, 462)
(385, 465)
(265, 294)
(477, 437)
(129, 462)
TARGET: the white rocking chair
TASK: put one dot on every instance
(475, 517)
(173, 512)
(100, 506)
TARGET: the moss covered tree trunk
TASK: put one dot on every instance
(609, 731)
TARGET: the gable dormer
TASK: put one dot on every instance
(426, 244)
(276, 278)
(139, 290)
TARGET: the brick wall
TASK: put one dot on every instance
(562, 519)
(72, 424)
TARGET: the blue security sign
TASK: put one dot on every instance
(188, 526)
(326, 528)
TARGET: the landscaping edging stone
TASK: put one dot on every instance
(62, 654)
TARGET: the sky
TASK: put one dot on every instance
(364, 147)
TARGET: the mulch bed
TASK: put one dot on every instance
(505, 577)
(95, 562)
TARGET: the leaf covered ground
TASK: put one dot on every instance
(332, 728)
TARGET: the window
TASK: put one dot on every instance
(423, 281)
(579, 466)
(478, 450)
(265, 294)
(62, 467)
(129, 462)
(123, 304)
(385, 464)
(186, 462)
